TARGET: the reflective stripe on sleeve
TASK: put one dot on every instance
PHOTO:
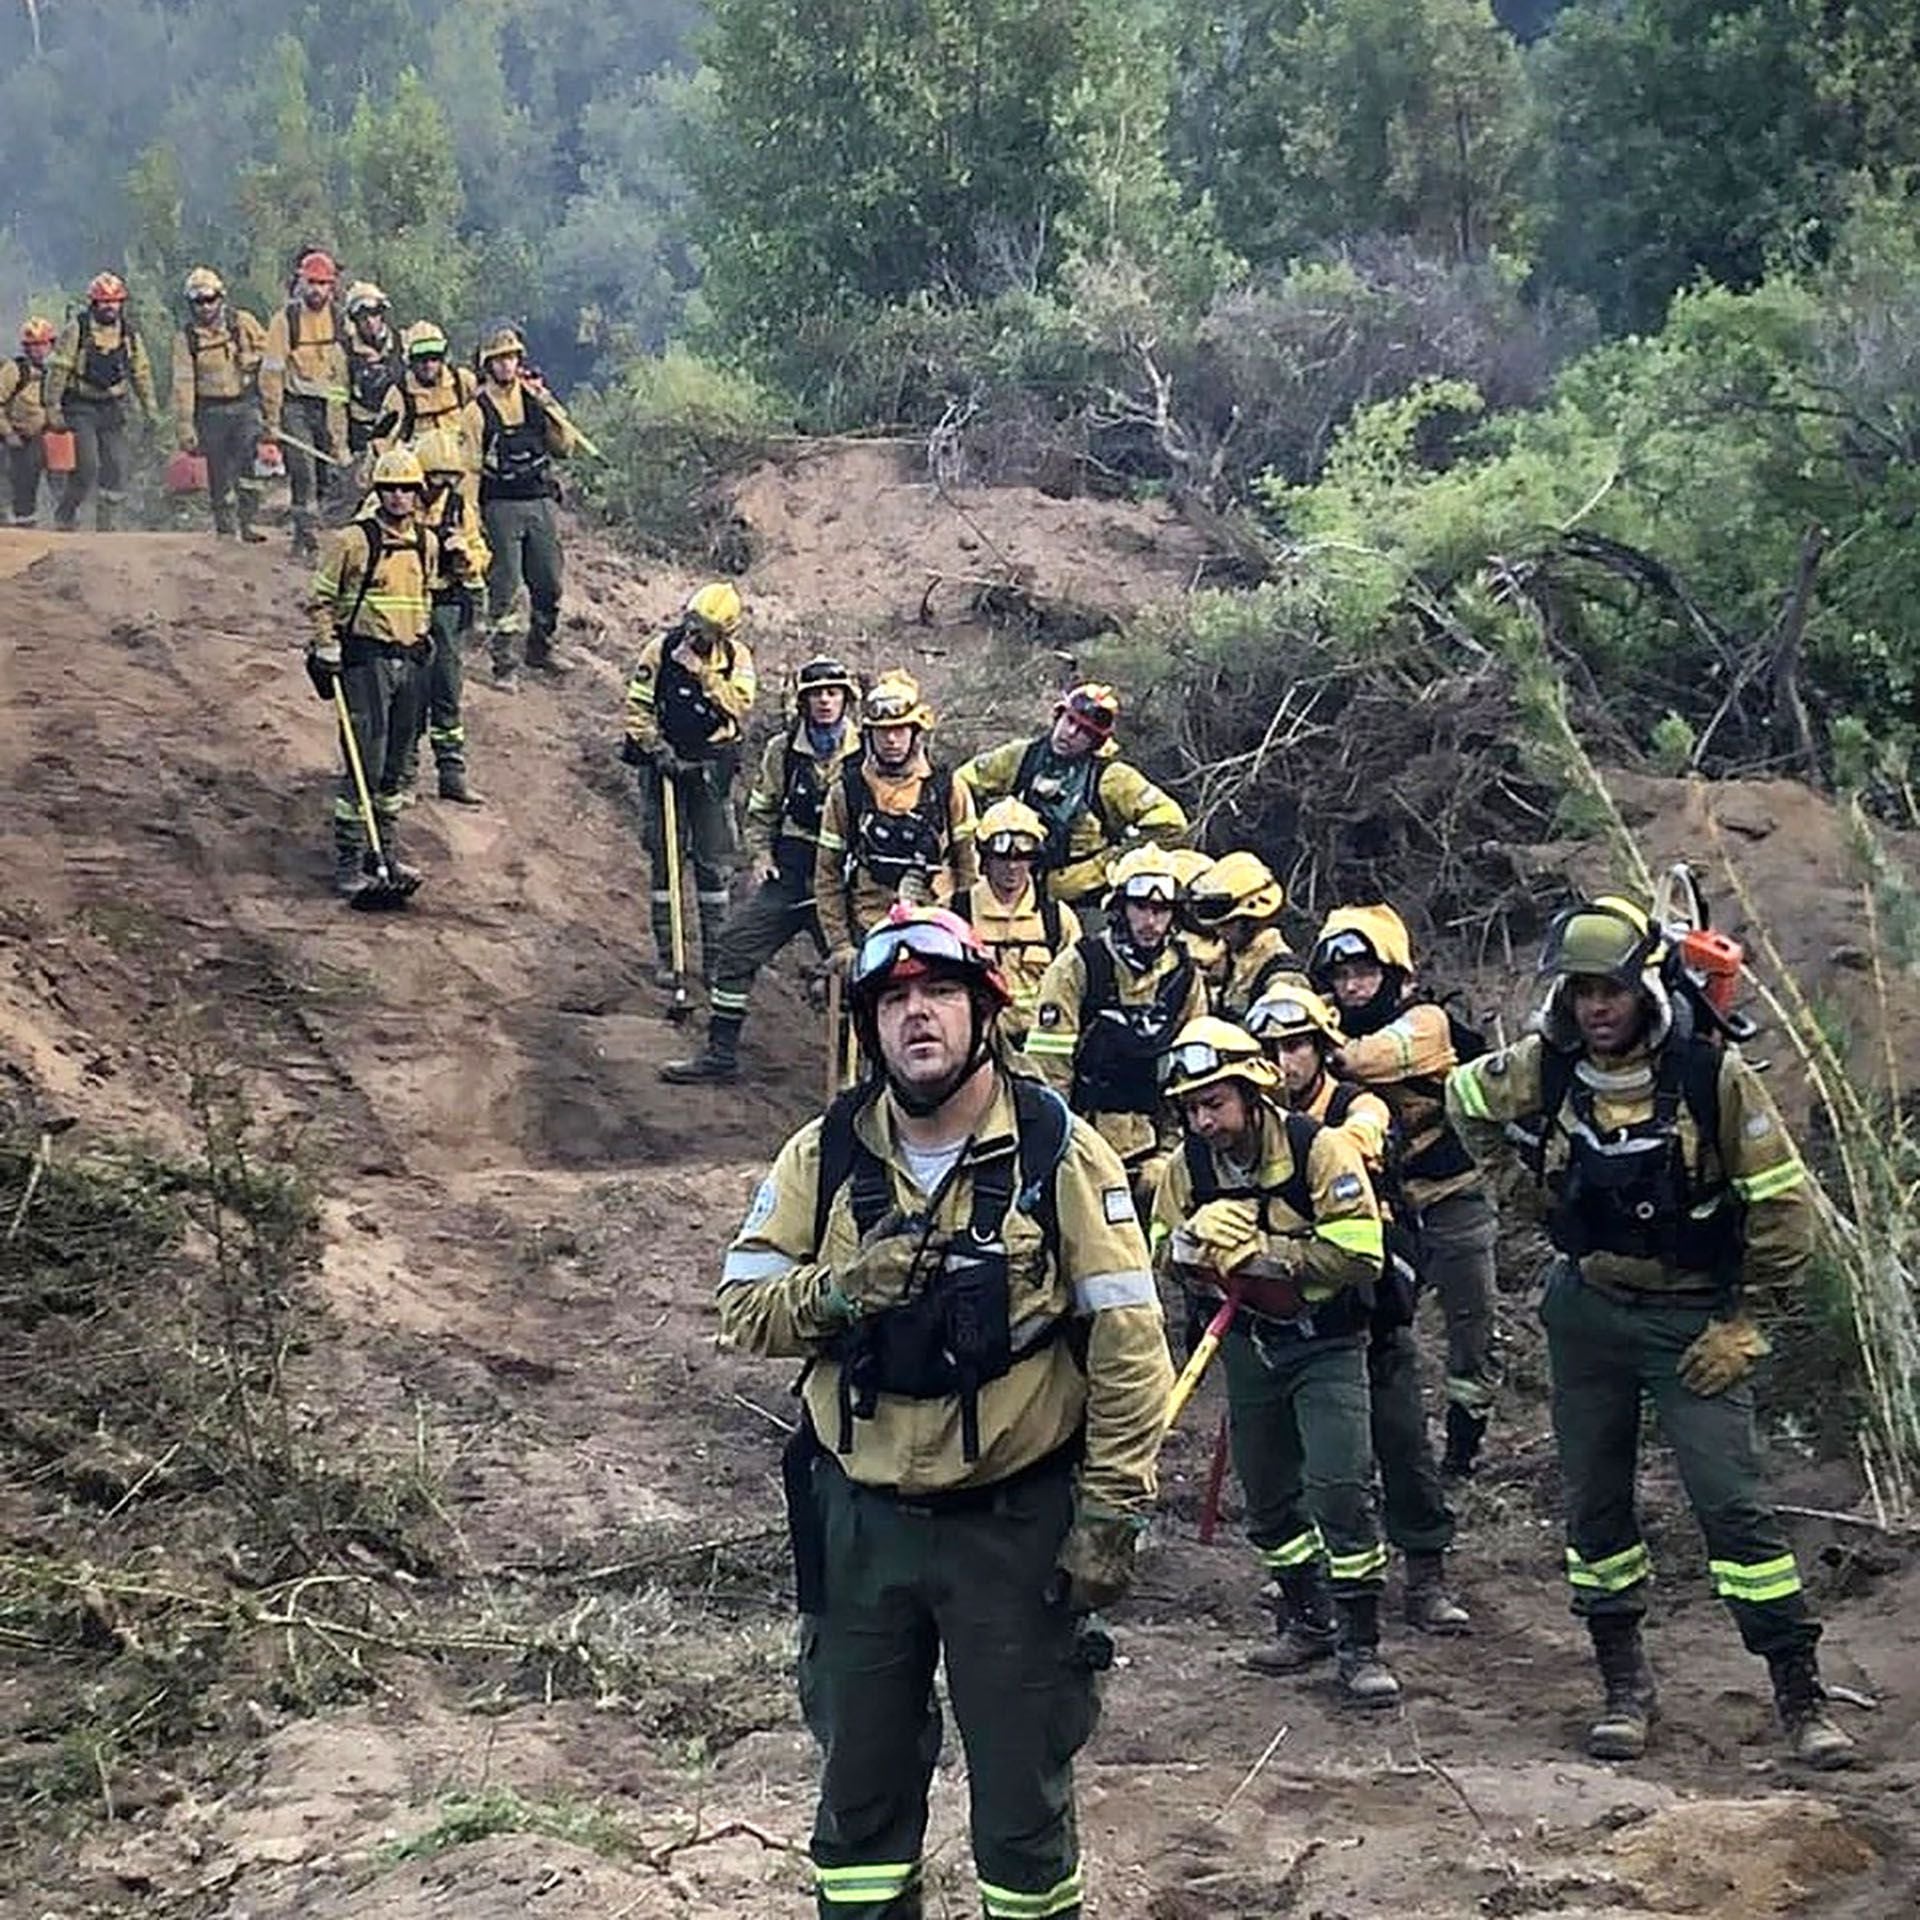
(743, 1265)
(1465, 1084)
(1770, 1182)
(1353, 1236)
(1101, 1290)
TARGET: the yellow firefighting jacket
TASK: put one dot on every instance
(306, 357)
(85, 346)
(1016, 936)
(463, 556)
(413, 407)
(788, 758)
(1128, 807)
(1367, 1121)
(1264, 963)
(849, 904)
(774, 1300)
(510, 404)
(721, 687)
(23, 400)
(1336, 1243)
(396, 607)
(1407, 1062)
(1751, 1154)
(1061, 1015)
(220, 362)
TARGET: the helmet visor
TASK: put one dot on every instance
(890, 709)
(1596, 940)
(1199, 1060)
(1152, 888)
(1011, 846)
(1277, 1019)
(890, 952)
(1210, 909)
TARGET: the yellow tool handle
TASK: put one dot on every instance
(1190, 1374)
(670, 824)
(367, 819)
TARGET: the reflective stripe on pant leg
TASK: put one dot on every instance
(754, 933)
(1331, 1411)
(874, 1885)
(1265, 1444)
(1302, 1549)
(1756, 1582)
(1613, 1574)
(1003, 1903)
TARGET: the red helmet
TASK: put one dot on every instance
(1094, 705)
(913, 942)
(106, 290)
(38, 333)
(318, 267)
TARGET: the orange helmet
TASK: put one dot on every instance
(106, 290)
(317, 267)
(38, 333)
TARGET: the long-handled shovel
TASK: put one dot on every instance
(835, 995)
(386, 889)
(1203, 1354)
(680, 1007)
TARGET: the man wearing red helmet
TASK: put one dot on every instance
(23, 416)
(303, 389)
(99, 366)
(957, 1260)
(1092, 803)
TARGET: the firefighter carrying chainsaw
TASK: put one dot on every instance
(1674, 1200)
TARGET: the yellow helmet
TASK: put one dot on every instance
(1238, 886)
(425, 341)
(1286, 1012)
(442, 450)
(1189, 863)
(204, 283)
(717, 608)
(1612, 936)
(364, 297)
(1351, 933)
(1143, 873)
(499, 339)
(1010, 826)
(894, 701)
(1210, 1050)
(399, 467)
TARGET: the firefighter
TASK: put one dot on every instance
(446, 511)
(1672, 1195)
(1012, 913)
(1208, 950)
(1093, 804)
(1238, 902)
(303, 393)
(898, 825)
(1109, 1005)
(429, 393)
(216, 406)
(521, 430)
(687, 703)
(797, 770)
(23, 416)
(99, 367)
(1301, 1035)
(1279, 1208)
(376, 364)
(976, 1461)
(372, 612)
(1404, 1047)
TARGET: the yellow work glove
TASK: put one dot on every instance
(1722, 1356)
(1227, 1233)
(877, 1277)
(1095, 1566)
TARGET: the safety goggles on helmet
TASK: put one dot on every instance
(1161, 889)
(1209, 909)
(1601, 938)
(1011, 845)
(1191, 1063)
(913, 942)
(1285, 1017)
(1337, 947)
(890, 707)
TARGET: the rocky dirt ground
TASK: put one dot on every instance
(521, 1226)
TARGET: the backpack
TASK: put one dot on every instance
(374, 545)
(1116, 1065)
(930, 817)
(464, 388)
(1054, 853)
(954, 1336)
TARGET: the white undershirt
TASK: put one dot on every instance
(931, 1165)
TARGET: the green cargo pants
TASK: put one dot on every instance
(907, 1584)
(1303, 1449)
(99, 430)
(24, 464)
(229, 435)
(1607, 1357)
(1414, 1503)
(1456, 1238)
(441, 719)
(384, 690)
(702, 796)
(775, 912)
(525, 538)
(311, 481)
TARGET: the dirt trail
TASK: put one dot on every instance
(521, 1236)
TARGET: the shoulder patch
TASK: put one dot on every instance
(1050, 1015)
(1116, 1203)
(1758, 1126)
(1346, 1186)
(765, 1199)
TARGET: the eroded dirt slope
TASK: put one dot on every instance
(521, 1235)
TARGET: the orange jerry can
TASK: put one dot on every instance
(57, 450)
(186, 473)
